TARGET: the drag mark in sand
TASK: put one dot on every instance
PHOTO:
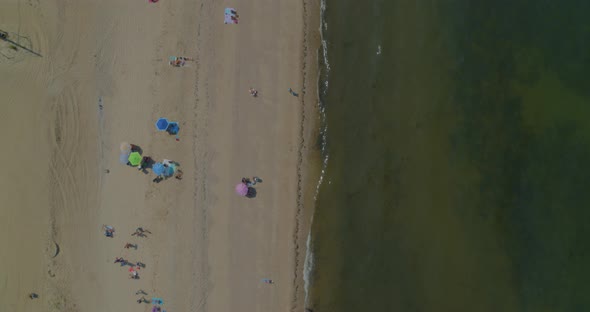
(64, 136)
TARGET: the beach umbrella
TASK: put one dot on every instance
(173, 128)
(134, 159)
(162, 124)
(242, 189)
(168, 171)
(125, 147)
(158, 168)
(124, 158)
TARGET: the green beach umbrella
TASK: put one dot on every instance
(134, 159)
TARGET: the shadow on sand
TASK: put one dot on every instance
(251, 192)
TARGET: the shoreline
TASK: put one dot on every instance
(309, 158)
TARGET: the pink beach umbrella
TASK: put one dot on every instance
(242, 189)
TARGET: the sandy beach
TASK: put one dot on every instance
(103, 77)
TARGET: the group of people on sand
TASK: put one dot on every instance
(134, 267)
(251, 182)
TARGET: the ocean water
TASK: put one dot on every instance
(457, 140)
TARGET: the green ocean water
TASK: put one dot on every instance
(458, 144)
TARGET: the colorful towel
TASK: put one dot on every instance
(230, 16)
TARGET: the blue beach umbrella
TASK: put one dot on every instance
(173, 128)
(168, 171)
(158, 168)
(162, 124)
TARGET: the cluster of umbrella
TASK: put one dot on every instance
(131, 156)
(171, 127)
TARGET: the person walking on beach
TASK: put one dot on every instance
(140, 292)
(129, 245)
(33, 296)
(267, 281)
(293, 92)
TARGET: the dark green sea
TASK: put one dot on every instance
(457, 139)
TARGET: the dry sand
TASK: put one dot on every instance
(103, 78)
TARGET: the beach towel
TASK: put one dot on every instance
(229, 20)
(230, 17)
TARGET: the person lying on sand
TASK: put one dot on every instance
(142, 300)
(141, 230)
(178, 61)
(253, 92)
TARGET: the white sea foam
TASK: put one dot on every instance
(324, 27)
(308, 268)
